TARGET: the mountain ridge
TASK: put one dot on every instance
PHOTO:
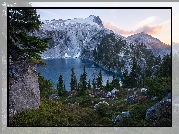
(84, 38)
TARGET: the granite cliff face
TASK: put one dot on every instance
(24, 90)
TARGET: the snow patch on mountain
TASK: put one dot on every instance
(67, 56)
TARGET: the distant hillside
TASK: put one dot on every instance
(157, 47)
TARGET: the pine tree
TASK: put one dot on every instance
(89, 84)
(94, 83)
(125, 78)
(73, 83)
(165, 67)
(139, 75)
(80, 86)
(82, 83)
(84, 78)
(115, 83)
(22, 42)
(157, 60)
(99, 80)
(45, 86)
(60, 86)
(132, 81)
(107, 87)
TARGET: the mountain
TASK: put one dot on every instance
(119, 55)
(88, 38)
(157, 47)
(70, 36)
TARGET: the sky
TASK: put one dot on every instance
(126, 22)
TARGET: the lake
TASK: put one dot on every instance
(63, 65)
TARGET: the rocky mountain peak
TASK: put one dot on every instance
(152, 43)
(96, 19)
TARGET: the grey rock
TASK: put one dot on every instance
(54, 96)
(97, 20)
(24, 93)
(126, 114)
(130, 99)
(119, 117)
(153, 112)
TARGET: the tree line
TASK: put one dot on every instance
(83, 84)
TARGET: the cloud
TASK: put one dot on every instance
(146, 29)
(146, 21)
(51, 13)
(150, 29)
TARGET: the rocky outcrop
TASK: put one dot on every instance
(155, 111)
(98, 20)
(24, 90)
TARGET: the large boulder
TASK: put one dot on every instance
(108, 94)
(114, 91)
(120, 116)
(24, 90)
(130, 99)
(143, 90)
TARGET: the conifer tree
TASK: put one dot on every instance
(107, 87)
(83, 83)
(22, 42)
(99, 80)
(115, 83)
(125, 78)
(81, 86)
(60, 86)
(73, 83)
(94, 83)
(84, 78)
(89, 84)
(45, 86)
(132, 81)
(165, 67)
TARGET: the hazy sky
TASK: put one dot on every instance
(156, 22)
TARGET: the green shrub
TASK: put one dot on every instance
(54, 113)
(157, 85)
(164, 122)
(102, 109)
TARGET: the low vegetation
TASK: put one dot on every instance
(74, 109)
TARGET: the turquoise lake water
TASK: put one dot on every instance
(63, 65)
